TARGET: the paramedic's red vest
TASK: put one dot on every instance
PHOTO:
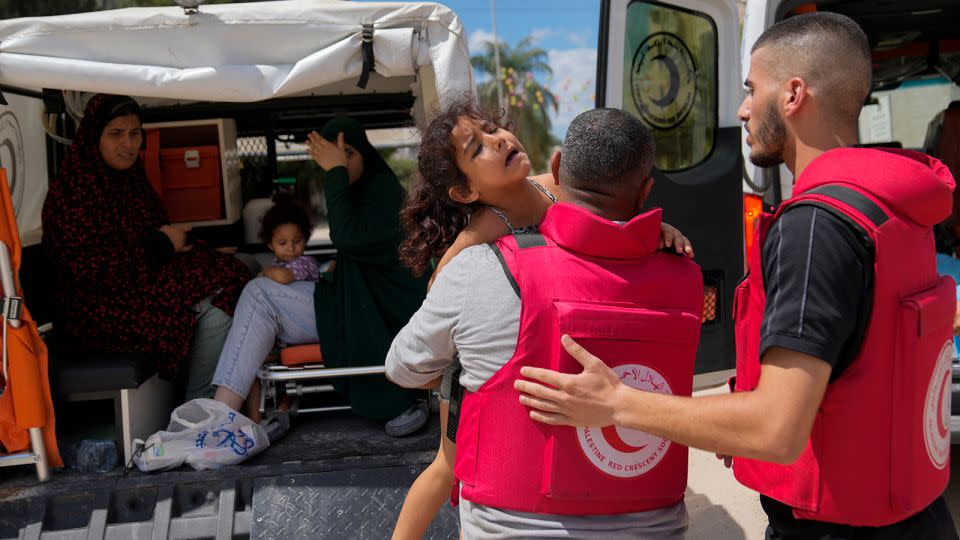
(880, 445)
(638, 310)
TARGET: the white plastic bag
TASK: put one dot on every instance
(204, 434)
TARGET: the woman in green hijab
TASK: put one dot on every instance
(356, 310)
(369, 296)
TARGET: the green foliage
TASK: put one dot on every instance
(401, 165)
(306, 171)
(310, 175)
(526, 100)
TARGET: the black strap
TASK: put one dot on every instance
(529, 240)
(456, 400)
(506, 269)
(366, 47)
(854, 199)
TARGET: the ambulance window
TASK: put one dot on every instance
(670, 80)
(903, 116)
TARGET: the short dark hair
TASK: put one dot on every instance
(284, 212)
(829, 49)
(604, 147)
(820, 26)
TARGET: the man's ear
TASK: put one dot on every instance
(463, 194)
(795, 96)
(645, 187)
(555, 167)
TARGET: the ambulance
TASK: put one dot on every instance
(228, 94)
(680, 65)
(256, 77)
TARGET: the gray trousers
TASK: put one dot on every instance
(211, 331)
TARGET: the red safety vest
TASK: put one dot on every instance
(880, 445)
(639, 311)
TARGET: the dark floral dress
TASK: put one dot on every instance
(100, 233)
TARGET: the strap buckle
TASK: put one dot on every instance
(366, 46)
(12, 308)
(366, 36)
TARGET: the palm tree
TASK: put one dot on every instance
(526, 101)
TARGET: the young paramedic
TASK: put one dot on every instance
(840, 414)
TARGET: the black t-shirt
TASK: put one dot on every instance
(818, 278)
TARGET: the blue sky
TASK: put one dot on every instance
(566, 29)
(563, 24)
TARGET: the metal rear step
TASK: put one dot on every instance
(331, 476)
(361, 503)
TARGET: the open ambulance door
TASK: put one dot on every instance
(675, 65)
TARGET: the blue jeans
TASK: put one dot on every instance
(267, 312)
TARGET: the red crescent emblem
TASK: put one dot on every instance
(941, 421)
(618, 444)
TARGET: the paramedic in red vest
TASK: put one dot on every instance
(841, 406)
(594, 271)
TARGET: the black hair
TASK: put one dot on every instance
(431, 219)
(830, 50)
(605, 147)
(284, 211)
(817, 26)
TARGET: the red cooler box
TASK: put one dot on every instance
(191, 183)
(194, 167)
(186, 178)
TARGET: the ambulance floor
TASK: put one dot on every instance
(331, 472)
(331, 476)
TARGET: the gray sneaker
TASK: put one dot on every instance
(276, 424)
(411, 420)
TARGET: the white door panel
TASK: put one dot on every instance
(723, 14)
(757, 17)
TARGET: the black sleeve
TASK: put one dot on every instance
(158, 249)
(817, 275)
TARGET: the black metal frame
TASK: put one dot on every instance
(710, 188)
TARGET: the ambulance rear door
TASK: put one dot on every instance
(675, 65)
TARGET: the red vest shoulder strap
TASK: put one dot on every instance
(852, 206)
(851, 201)
(854, 199)
(506, 248)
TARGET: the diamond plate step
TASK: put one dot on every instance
(358, 504)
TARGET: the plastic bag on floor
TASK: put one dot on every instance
(204, 434)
